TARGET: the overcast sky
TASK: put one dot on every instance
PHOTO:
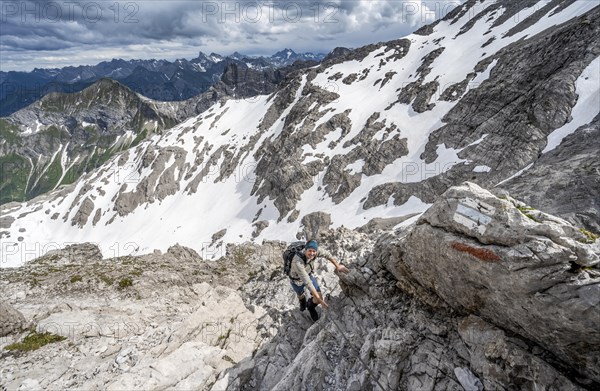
(48, 34)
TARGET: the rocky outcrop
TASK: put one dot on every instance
(337, 52)
(219, 235)
(521, 269)
(490, 349)
(573, 192)
(159, 184)
(384, 223)
(314, 224)
(11, 320)
(83, 213)
(377, 334)
(183, 253)
(574, 46)
(72, 254)
(283, 175)
(339, 55)
(158, 321)
(259, 226)
(419, 93)
(247, 82)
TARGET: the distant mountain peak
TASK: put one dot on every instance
(285, 54)
(156, 79)
(237, 55)
(203, 56)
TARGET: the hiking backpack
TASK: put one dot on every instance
(295, 248)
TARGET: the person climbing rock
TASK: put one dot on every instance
(301, 273)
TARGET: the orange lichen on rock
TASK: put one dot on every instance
(479, 253)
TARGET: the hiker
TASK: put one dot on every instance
(301, 276)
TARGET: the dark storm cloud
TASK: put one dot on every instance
(58, 33)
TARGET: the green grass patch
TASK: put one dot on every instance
(10, 133)
(590, 237)
(141, 136)
(526, 211)
(125, 283)
(241, 255)
(106, 279)
(56, 133)
(76, 278)
(34, 341)
(14, 171)
(98, 158)
(48, 178)
(222, 340)
(137, 272)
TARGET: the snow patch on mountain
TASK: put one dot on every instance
(587, 107)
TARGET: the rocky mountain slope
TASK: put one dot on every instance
(157, 79)
(55, 140)
(565, 180)
(255, 168)
(481, 293)
(469, 307)
(62, 136)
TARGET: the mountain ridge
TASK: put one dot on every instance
(61, 113)
(157, 79)
(258, 168)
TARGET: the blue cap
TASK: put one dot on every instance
(312, 244)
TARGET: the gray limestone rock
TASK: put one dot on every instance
(519, 269)
(219, 235)
(383, 224)
(573, 191)
(259, 226)
(501, 361)
(314, 224)
(83, 213)
(159, 184)
(234, 324)
(11, 320)
(184, 253)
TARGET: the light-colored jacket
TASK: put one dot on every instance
(300, 272)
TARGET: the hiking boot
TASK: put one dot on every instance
(312, 310)
(302, 303)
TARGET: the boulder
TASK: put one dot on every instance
(11, 320)
(518, 268)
